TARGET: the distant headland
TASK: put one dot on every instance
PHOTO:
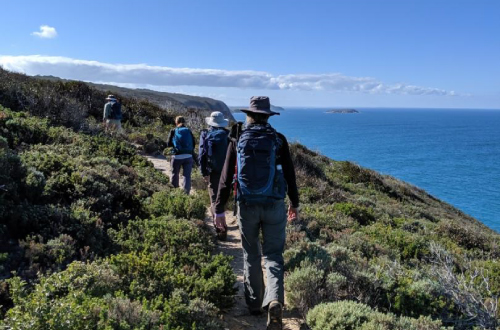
(342, 111)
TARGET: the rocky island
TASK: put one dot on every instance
(342, 111)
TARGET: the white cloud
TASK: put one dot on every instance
(46, 32)
(161, 76)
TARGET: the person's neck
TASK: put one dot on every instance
(180, 125)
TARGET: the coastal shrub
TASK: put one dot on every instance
(323, 219)
(306, 251)
(175, 202)
(349, 315)
(360, 242)
(361, 214)
(342, 315)
(71, 185)
(165, 253)
(305, 287)
(306, 161)
(93, 296)
(163, 235)
(406, 245)
(464, 236)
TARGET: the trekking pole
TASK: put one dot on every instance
(235, 176)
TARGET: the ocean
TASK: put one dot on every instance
(453, 154)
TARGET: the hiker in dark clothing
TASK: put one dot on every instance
(265, 171)
(212, 154)
(181, 140)
(112, 115)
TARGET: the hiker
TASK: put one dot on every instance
(112, 116)
(181, 140)
(212, 154)
(264, 170)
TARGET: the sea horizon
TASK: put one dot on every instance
(447, 152)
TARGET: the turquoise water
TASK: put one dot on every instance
(452, 154)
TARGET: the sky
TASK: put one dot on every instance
(332, 53)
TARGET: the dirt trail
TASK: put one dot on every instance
(238, 317)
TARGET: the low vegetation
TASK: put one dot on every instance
(370, 248)
(96, 238)
(92, 237)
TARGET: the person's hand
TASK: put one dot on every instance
(220, 222)
(205, 178)
(293, 214)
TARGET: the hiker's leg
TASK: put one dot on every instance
(175, 165)
(213, 188)
(274, 234)
(249, 223)
(187, 166)
(119, 129)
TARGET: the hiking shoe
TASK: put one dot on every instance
(221, 235)
(275, 316)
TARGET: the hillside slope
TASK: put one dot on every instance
(179, 103)
(79, 208)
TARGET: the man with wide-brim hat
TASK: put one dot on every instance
(264, 176)
(212, 151)
(260, 104)
(112, 115)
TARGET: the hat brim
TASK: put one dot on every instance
(265, 112)
(213, 123)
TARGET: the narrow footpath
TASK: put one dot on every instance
(238, 317)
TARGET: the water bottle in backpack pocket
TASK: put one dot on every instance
(260, 180)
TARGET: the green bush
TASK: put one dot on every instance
(349, 315)
(164, 254)
(305, 287)
(361, 214)
(406, 245)
(97, 296)
(342, 315)
(175, 202)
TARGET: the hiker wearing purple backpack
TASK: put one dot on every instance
(212, 154)
(259, 164)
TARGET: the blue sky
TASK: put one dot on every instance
(302, 53)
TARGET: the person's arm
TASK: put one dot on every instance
(202, 156)
(226, 178)
(289, 172)
(170, 140)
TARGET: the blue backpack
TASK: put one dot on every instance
(260, 180)
(215, 145)
(116, 111)
(183, 141)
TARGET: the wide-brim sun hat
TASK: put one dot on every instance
(111, 98)
(260, 104)
(216, 119)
